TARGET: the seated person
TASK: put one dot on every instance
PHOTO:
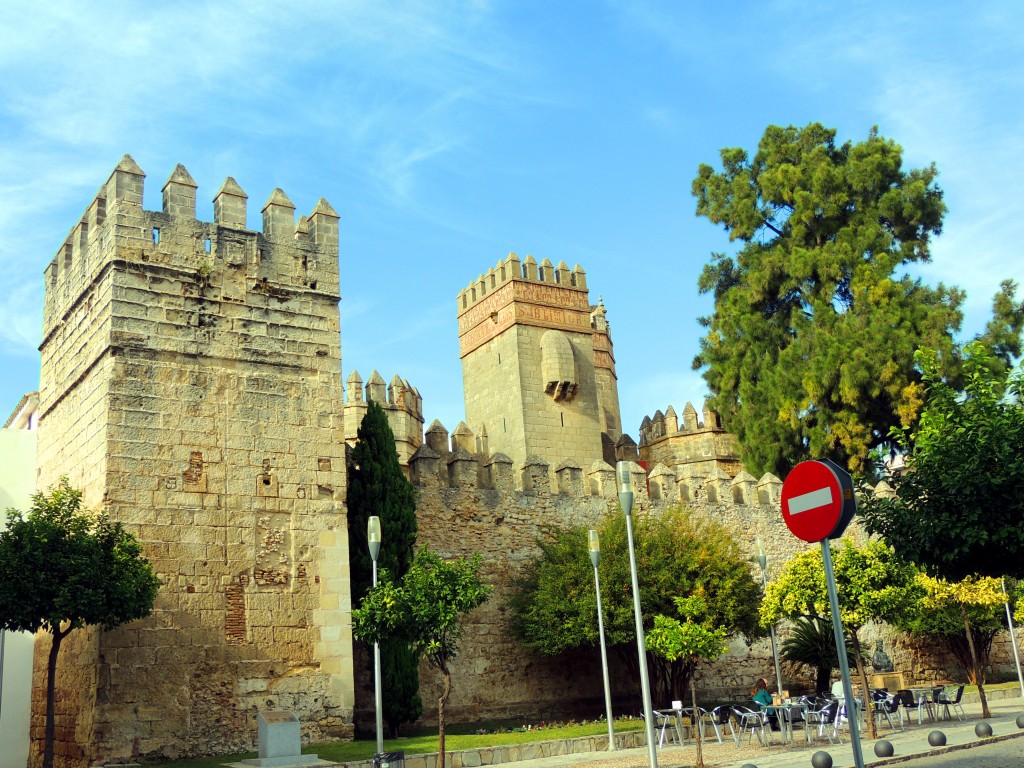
(763, 700)
(837, 690)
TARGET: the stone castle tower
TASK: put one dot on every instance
(191, 385)
(537, 364)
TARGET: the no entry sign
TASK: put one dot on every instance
(817, 500)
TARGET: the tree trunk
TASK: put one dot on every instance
(698, 725)
(974, 663)
(869, 706)
(821, 679)
(51, 679)
(445, 693)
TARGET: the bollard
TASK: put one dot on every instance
(884, 748)
(937, 739)
(983, 730)
(1020, 721)
(821, 759)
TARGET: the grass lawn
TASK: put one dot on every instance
(424, 741)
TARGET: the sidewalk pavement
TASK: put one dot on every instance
(913, 742)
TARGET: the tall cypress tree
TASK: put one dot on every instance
(377, 486)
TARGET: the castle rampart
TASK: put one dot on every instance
(191, 386)
(500, 510)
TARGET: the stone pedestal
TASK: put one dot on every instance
(280, 742)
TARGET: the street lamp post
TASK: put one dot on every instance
(373, 540)
(622, 470)
(595, 558)
(762, 560)
(1013, 637)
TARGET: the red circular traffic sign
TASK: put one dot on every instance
(812, 501)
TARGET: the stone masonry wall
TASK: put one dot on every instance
(466, 505)
(191, 384)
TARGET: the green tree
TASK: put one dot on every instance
(1002, 335)
(872, 583)
(424, 610)
(966, 615)
(812, 643)
(959, 510)
(688, 642)
(553, 602)
(377, 486)
(62, 568)
(809, 351)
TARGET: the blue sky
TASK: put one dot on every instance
(448, 134)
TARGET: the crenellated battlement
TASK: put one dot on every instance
(401, 402)
(512, 268)
(692, 447)
(222, 258)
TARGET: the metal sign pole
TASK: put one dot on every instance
(844, 666)
(1013, 638)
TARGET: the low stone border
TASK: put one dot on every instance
(996, 695)
(471, 758)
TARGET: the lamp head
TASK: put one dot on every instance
(625, 478)
(595, 548)
(762, 558)
(373, 536)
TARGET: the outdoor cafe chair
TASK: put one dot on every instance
(943, 700)
(666, 724)
(751, 722)
(823, 716)
(907, 702)
(925, 704)
(886, 705)
(718, 717)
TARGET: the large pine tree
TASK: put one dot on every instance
(810, 350)
(377, 486)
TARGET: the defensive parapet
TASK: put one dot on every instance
(222, 257)
(512, 268)
(191, 386)
(694, 448)
(401, 402)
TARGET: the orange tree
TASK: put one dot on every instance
(62, 568)
(872, 583)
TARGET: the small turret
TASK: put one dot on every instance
(125, 186)
(354, 388)
(229, 205)
(323, 224)
(375, 388)
(179, 194)
(278, 215)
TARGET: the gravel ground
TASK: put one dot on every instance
(715, 754)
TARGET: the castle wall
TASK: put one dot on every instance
(191, 385)
(474, 508)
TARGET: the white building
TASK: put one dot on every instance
(17, 484)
